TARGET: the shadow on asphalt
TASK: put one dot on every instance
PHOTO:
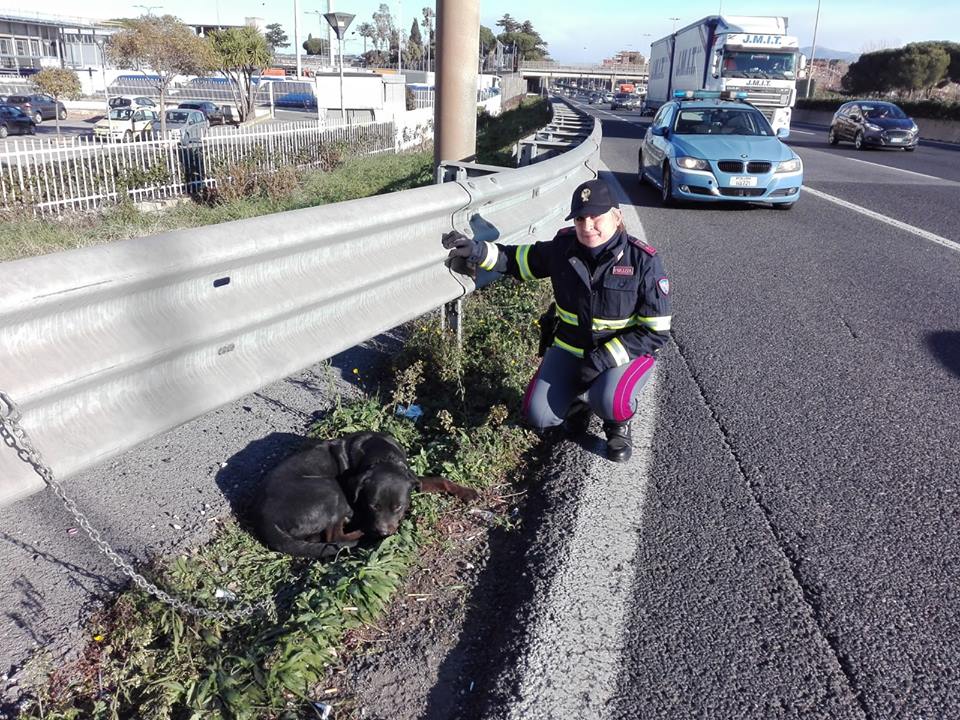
(945, 347)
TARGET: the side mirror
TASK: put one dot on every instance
(803, 61)
(658, 130)
(783, 133)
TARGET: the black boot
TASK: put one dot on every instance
(578, 419)
(619, 441)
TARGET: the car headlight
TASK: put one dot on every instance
(914, 130)
(787, 166)
(689, 163)
(871, 126)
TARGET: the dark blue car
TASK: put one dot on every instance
(14, 121)
(873, 123)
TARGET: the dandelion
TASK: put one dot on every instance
(356, 371)
(98, 638)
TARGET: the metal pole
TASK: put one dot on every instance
(343, 111)
(813, 51)
(296, 34)
(455, 109)
(330, 9)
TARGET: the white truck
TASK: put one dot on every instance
(743, 54)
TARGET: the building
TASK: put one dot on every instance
(626, 57)
(31, 42)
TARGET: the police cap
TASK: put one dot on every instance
(591, 198)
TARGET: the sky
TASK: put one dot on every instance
(580, 32)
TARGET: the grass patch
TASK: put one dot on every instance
(146, 661)
(357, 177)
(496, 136)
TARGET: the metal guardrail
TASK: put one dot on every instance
(108, 346)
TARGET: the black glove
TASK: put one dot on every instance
(459, 245)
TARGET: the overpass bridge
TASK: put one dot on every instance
(546, 72)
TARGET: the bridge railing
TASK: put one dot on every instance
(105, 347)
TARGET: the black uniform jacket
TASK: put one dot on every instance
(609, 316)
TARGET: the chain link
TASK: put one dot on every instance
(16, 438)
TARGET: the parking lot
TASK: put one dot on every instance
(78, 123)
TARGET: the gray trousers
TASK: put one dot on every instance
(612, 396)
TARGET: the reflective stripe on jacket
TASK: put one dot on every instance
(611, 312)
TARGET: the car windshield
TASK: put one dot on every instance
(177, 116)
(882, 110)
(18, 99)
(721, 121)
(121, 114)
(191, 106)
(773, 66)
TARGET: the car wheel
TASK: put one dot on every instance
(63, 113)
(858, 140)
(909, 149)
(128, 136)
(38, 118)
(832, 137)
(784, 206)
(3, 131)
(666, 192)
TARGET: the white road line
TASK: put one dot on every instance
(889, 167)
(573, 659)
(802, 132)
(574, 655)
(919, 232)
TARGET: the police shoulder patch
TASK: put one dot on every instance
(649, 249)
(664, 285)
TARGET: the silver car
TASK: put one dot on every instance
(187, 126)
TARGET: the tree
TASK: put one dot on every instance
(163, 45)
(428, 15)
(384, 29)
(58, 83)
(316, 46)
(508, 24)
(414, 48)
(241, 53)
(276, 37)
(367, 32)
(920, 68)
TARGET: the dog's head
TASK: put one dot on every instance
(382, 497)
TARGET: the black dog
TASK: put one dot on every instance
(305, 504)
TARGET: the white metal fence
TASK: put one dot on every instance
(80, 173)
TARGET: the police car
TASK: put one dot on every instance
(714, 147)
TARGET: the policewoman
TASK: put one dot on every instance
(612, 305)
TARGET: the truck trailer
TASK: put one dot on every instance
(743, 54)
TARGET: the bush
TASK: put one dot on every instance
(930, 109)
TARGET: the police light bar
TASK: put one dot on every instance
(734, 95)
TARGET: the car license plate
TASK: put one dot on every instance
(743, 181)
(896, 139)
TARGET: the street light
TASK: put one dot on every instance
(149, 8)
(674, 24)
(340, 22)
(813, 51)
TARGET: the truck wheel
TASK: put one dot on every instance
(666, 192)
(858, 140)
(832, 137)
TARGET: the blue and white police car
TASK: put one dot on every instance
(713, 147)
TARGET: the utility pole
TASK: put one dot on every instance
(458, 50)
(330, 32)
(296, 35)
(399, 37)
(813, 51)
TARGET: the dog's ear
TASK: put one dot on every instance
(352, 484)
(338, 450)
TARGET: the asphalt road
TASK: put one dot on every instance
(797, 552)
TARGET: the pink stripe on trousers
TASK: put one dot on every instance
(621, 396)
(529, 392)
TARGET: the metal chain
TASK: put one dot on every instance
(16, 438)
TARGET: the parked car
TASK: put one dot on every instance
(127, 101)
(627, 101)
(126, 124)
(187, 126)
(702, 146)
(39, 107)
(213, 112)
(873, 123)
(14, 121)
